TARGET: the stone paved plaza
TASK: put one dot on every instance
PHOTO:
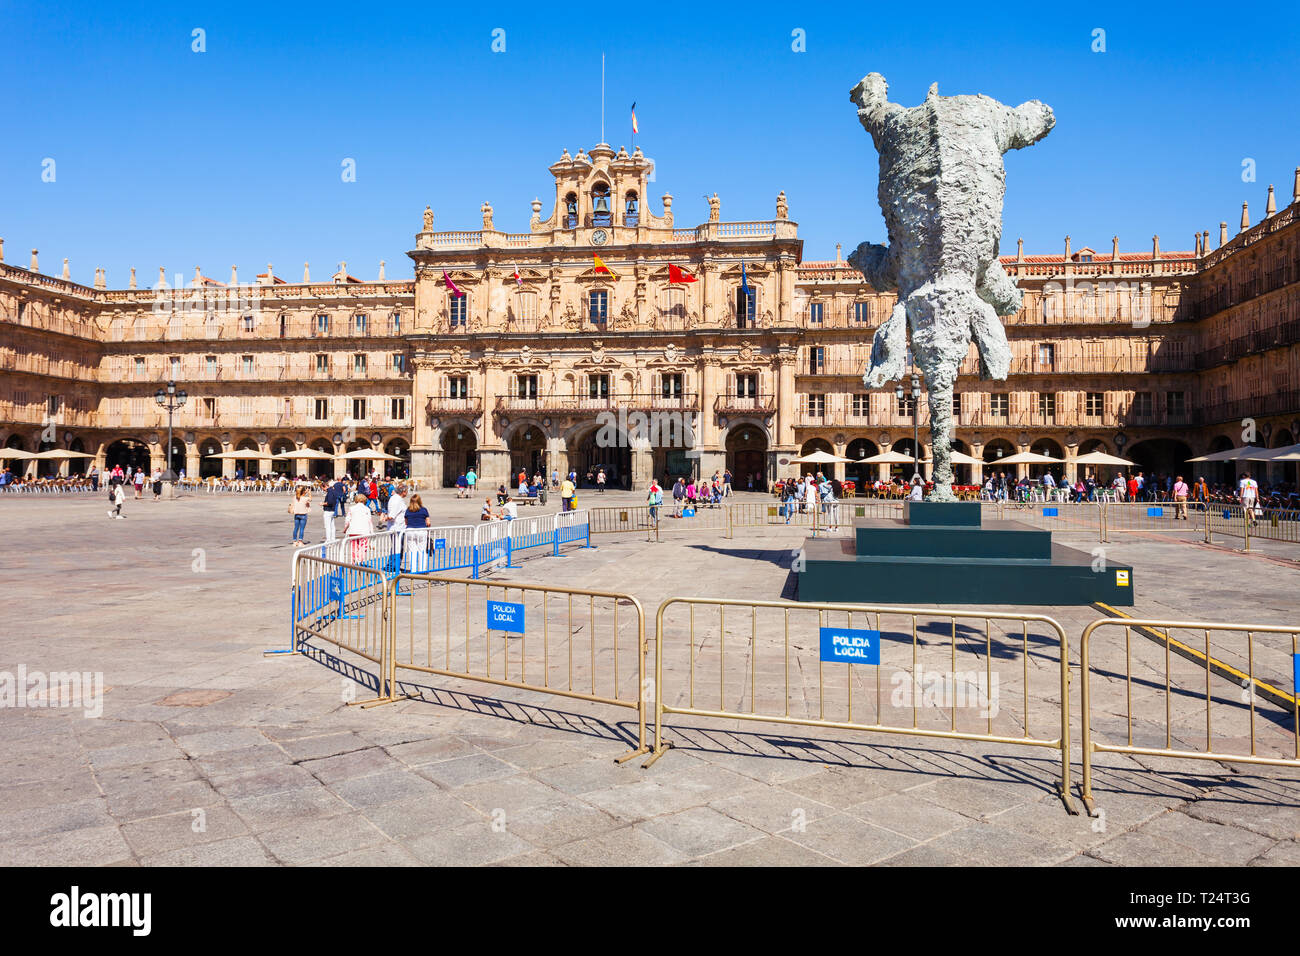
(207, 752)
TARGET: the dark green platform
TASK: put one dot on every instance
(942, 554)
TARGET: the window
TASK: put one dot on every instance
(320, 409)
(395, 324)
(999, 405)
(246, 364)
(1142, 404)
(358, 409)
(284, 325)
(861, 404)
(1047, 355)
(359, 363)
(816, 312)
(248, 323)
(322, 364)
(1175, 404)
(1047, 406)
(598, 386)
(397, 409)
(52, 404)
(458, 309)
(399, 362)
(956, 406)
(747, 384)
(360, 323)
(816, 406)
(598, 306)
(22, 310)
(139, 367)
(675, 305)
(671, 385)
(1094, 402)
(174, 367)
(210, 366)
(816, 359)
(527, 307)
(906, 405)
(526, 386)
(210, 409)
(862, 312)
(458, 386)
(746, 308)
(322, 324)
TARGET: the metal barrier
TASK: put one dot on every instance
(570, 527)
(538, 641)
(1148, 517)
(491, 546)
(1082, 518)
(1234, 520)
(1239, 716)
(427, 550)
(777, 676)
(351, 609)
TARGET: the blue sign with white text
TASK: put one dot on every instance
(1155, 512)
(505, 616)
(440, 544)
(1049, 512)
(850, 645)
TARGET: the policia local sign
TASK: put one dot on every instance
(850, 645)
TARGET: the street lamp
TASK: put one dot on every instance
(170, 398)
(916, 396)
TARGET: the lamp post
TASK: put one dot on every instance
(170, 398)
(916, 395)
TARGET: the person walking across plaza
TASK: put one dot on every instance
(331, 505)
(566, 494)
(600, 481)
(116, 497)
(396, 510)
(726, 483)
(1248, 489)
(654, 499)
(138, 480)
(94, 478)
(1180, 490)
(471, 479)
(300, 507)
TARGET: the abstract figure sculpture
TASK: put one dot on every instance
(941, 188)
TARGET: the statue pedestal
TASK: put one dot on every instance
(944, 553)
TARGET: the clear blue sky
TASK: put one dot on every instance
(169, 157)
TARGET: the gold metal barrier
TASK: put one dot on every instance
(573, 651)
(1239, 716)
(346, 605)
(778, 681)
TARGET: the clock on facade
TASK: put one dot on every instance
(598, 237)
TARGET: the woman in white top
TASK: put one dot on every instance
(357, 525)
(918, 489)
(810, 495)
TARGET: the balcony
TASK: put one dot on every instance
(729, 404)
(447, 405)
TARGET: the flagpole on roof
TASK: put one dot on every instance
(602, 97)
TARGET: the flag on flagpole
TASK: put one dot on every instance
(634, 129)
(744, 280)
(676, 274)
(451, 286)
(519, 280)
(600, 266)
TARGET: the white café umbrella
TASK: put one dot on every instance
(241, 453)
(818, 458)
(889, 458)
(1245, 452)
(1101, 458)
(309, 453)
(1028, 458)
(61, 453)
(961, 458)
(16, 454)
(1286, 453)
(365, 454)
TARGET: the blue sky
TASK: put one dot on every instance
(164, 156)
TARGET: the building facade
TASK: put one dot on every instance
(512, 351)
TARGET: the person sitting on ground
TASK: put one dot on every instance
(486, 514)
(509, 510)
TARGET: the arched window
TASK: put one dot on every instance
(631, 208)
(746, 307)
(601, 214)
(571, 211)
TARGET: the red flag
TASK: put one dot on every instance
(451, 286)
(679, 275)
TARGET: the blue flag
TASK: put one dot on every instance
(744, 280)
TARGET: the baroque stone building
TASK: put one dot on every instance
(516, 350)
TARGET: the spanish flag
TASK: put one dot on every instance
(679, 275)
(601, 267)
(634, 129)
